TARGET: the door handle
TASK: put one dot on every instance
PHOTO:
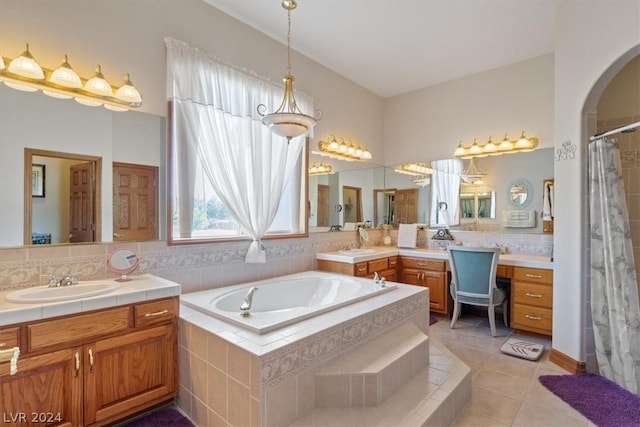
(90, 360)
(77, 357)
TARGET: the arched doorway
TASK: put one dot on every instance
(611, 105)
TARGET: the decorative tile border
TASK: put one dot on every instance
(309, 353)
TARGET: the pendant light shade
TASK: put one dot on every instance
(98, 85)
(65, 76)
(288, 121)
(25, 66)
(127, 92)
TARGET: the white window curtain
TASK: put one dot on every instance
(445, 192)
(215, 119)
(615, 308)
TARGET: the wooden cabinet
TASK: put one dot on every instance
(405, 207)
(93, 368)
(385, 267)
(432, 274)
(532, 300)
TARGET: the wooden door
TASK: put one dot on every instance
(323, 206)
(126, 374)
(352, 201)
(135, 200)
(82, 203)
(46, 390)
(406, 206)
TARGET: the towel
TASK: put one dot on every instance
(349, 226)
(11, 354)
(407, 235)
(547, 203)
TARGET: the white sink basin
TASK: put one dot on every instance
(42, 294)
(356, 252)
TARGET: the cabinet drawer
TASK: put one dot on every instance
(360, 269)
(532, 294)
(535, 318)
(9, 338)
(424, 264)
(378, 265)
(537, 275)
(78, 327)
(155, 312)
(393, 261)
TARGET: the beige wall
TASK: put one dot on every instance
(427, 124)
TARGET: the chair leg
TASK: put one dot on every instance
(456, 313)
(505, 307)
(492, 319)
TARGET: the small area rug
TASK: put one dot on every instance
(432, 320)
(603, 402)
(161, 418)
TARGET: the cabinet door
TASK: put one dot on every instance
(125, 374)
(410, 276)
(46, 390)
(437, 290)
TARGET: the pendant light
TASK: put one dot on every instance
(288, 121)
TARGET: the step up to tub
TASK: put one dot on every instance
(368, 374)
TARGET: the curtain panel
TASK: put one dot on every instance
(215, 122)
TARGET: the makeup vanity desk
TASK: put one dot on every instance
(531, 278)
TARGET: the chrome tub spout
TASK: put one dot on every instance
(245, 307)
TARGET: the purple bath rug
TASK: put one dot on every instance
(432, 320)
(161, 418)
(604, 402)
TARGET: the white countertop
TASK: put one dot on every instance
(140, 288)
(352, 256)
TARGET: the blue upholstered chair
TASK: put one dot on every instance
(473, 281)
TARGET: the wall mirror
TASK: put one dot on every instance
(520, 193)
(35, 121)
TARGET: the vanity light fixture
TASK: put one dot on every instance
(288, 121)
(24, 73)
(320, 169)
(491, 149)
(472, 174)
(342, 150)
(415, 169)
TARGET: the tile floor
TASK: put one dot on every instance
(506, 391)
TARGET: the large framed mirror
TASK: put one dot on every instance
(32, 120)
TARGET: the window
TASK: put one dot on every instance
(230, 177)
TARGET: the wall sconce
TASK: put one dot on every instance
(490, 148)
(320, 169)
(416, 169)
(24, 73)
(343, 150)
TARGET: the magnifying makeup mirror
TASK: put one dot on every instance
(123, 262)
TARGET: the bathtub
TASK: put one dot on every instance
(285, 300)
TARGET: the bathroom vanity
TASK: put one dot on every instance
(91, 361)
(531, 279)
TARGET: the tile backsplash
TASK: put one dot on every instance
(200, 267)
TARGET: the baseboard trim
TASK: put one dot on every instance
(567, 363)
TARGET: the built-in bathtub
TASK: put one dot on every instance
(284, 300)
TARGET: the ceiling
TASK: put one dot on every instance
(392, 47)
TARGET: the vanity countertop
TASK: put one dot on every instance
(355, 256)
(140, 288)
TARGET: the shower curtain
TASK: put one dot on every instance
(614, 293)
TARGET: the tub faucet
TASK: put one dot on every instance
(246, 304)
(379, 280)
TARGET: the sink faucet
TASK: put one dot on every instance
(246, 304)
(379, 280)
(69, 280)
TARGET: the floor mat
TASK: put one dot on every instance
(523, 349)
(604, 402)
(161, 418)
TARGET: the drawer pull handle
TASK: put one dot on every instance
(90, 360)
(77, 356)
(423, 264)
(530, 317)
(534, 276)
(3, 344)
(530, 295)
(157, 313)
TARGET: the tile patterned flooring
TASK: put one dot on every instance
(506, 391)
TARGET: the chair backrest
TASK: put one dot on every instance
(473, 270)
